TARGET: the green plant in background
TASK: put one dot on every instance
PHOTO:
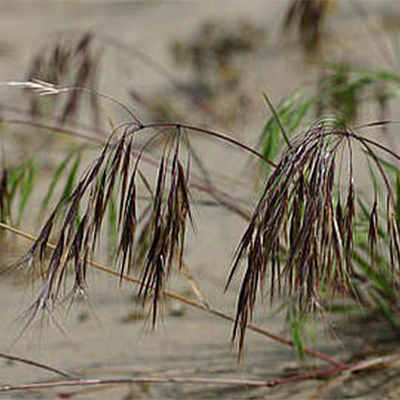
(292, 113)
(344, 88)
(72, 161)
(342, 96)
(16, 186)
(342, 91)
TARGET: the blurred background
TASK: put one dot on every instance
(206, 63)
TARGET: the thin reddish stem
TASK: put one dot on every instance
(190, 302)
(211, 133)
(362, 365)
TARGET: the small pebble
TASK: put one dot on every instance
(176, 310)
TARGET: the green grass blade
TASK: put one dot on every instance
(278, 119)
(296, 330)
(57, 175)
(69, 184)
(26, 187)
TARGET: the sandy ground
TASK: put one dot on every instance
(108, 336)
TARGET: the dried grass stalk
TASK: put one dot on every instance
(301, 233)
(81, 218)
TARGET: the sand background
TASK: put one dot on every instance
(108, 336)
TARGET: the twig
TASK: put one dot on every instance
(145, 379)
(194, 285)
(208, 132)
(356, 367)
(158, 379)
(363, 365)
(36, 364)
(192, 303)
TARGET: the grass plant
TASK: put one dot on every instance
(313, 238)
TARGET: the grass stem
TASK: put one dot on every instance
(192, 303)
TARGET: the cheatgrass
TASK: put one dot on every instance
(310, 236)
(313, 243)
